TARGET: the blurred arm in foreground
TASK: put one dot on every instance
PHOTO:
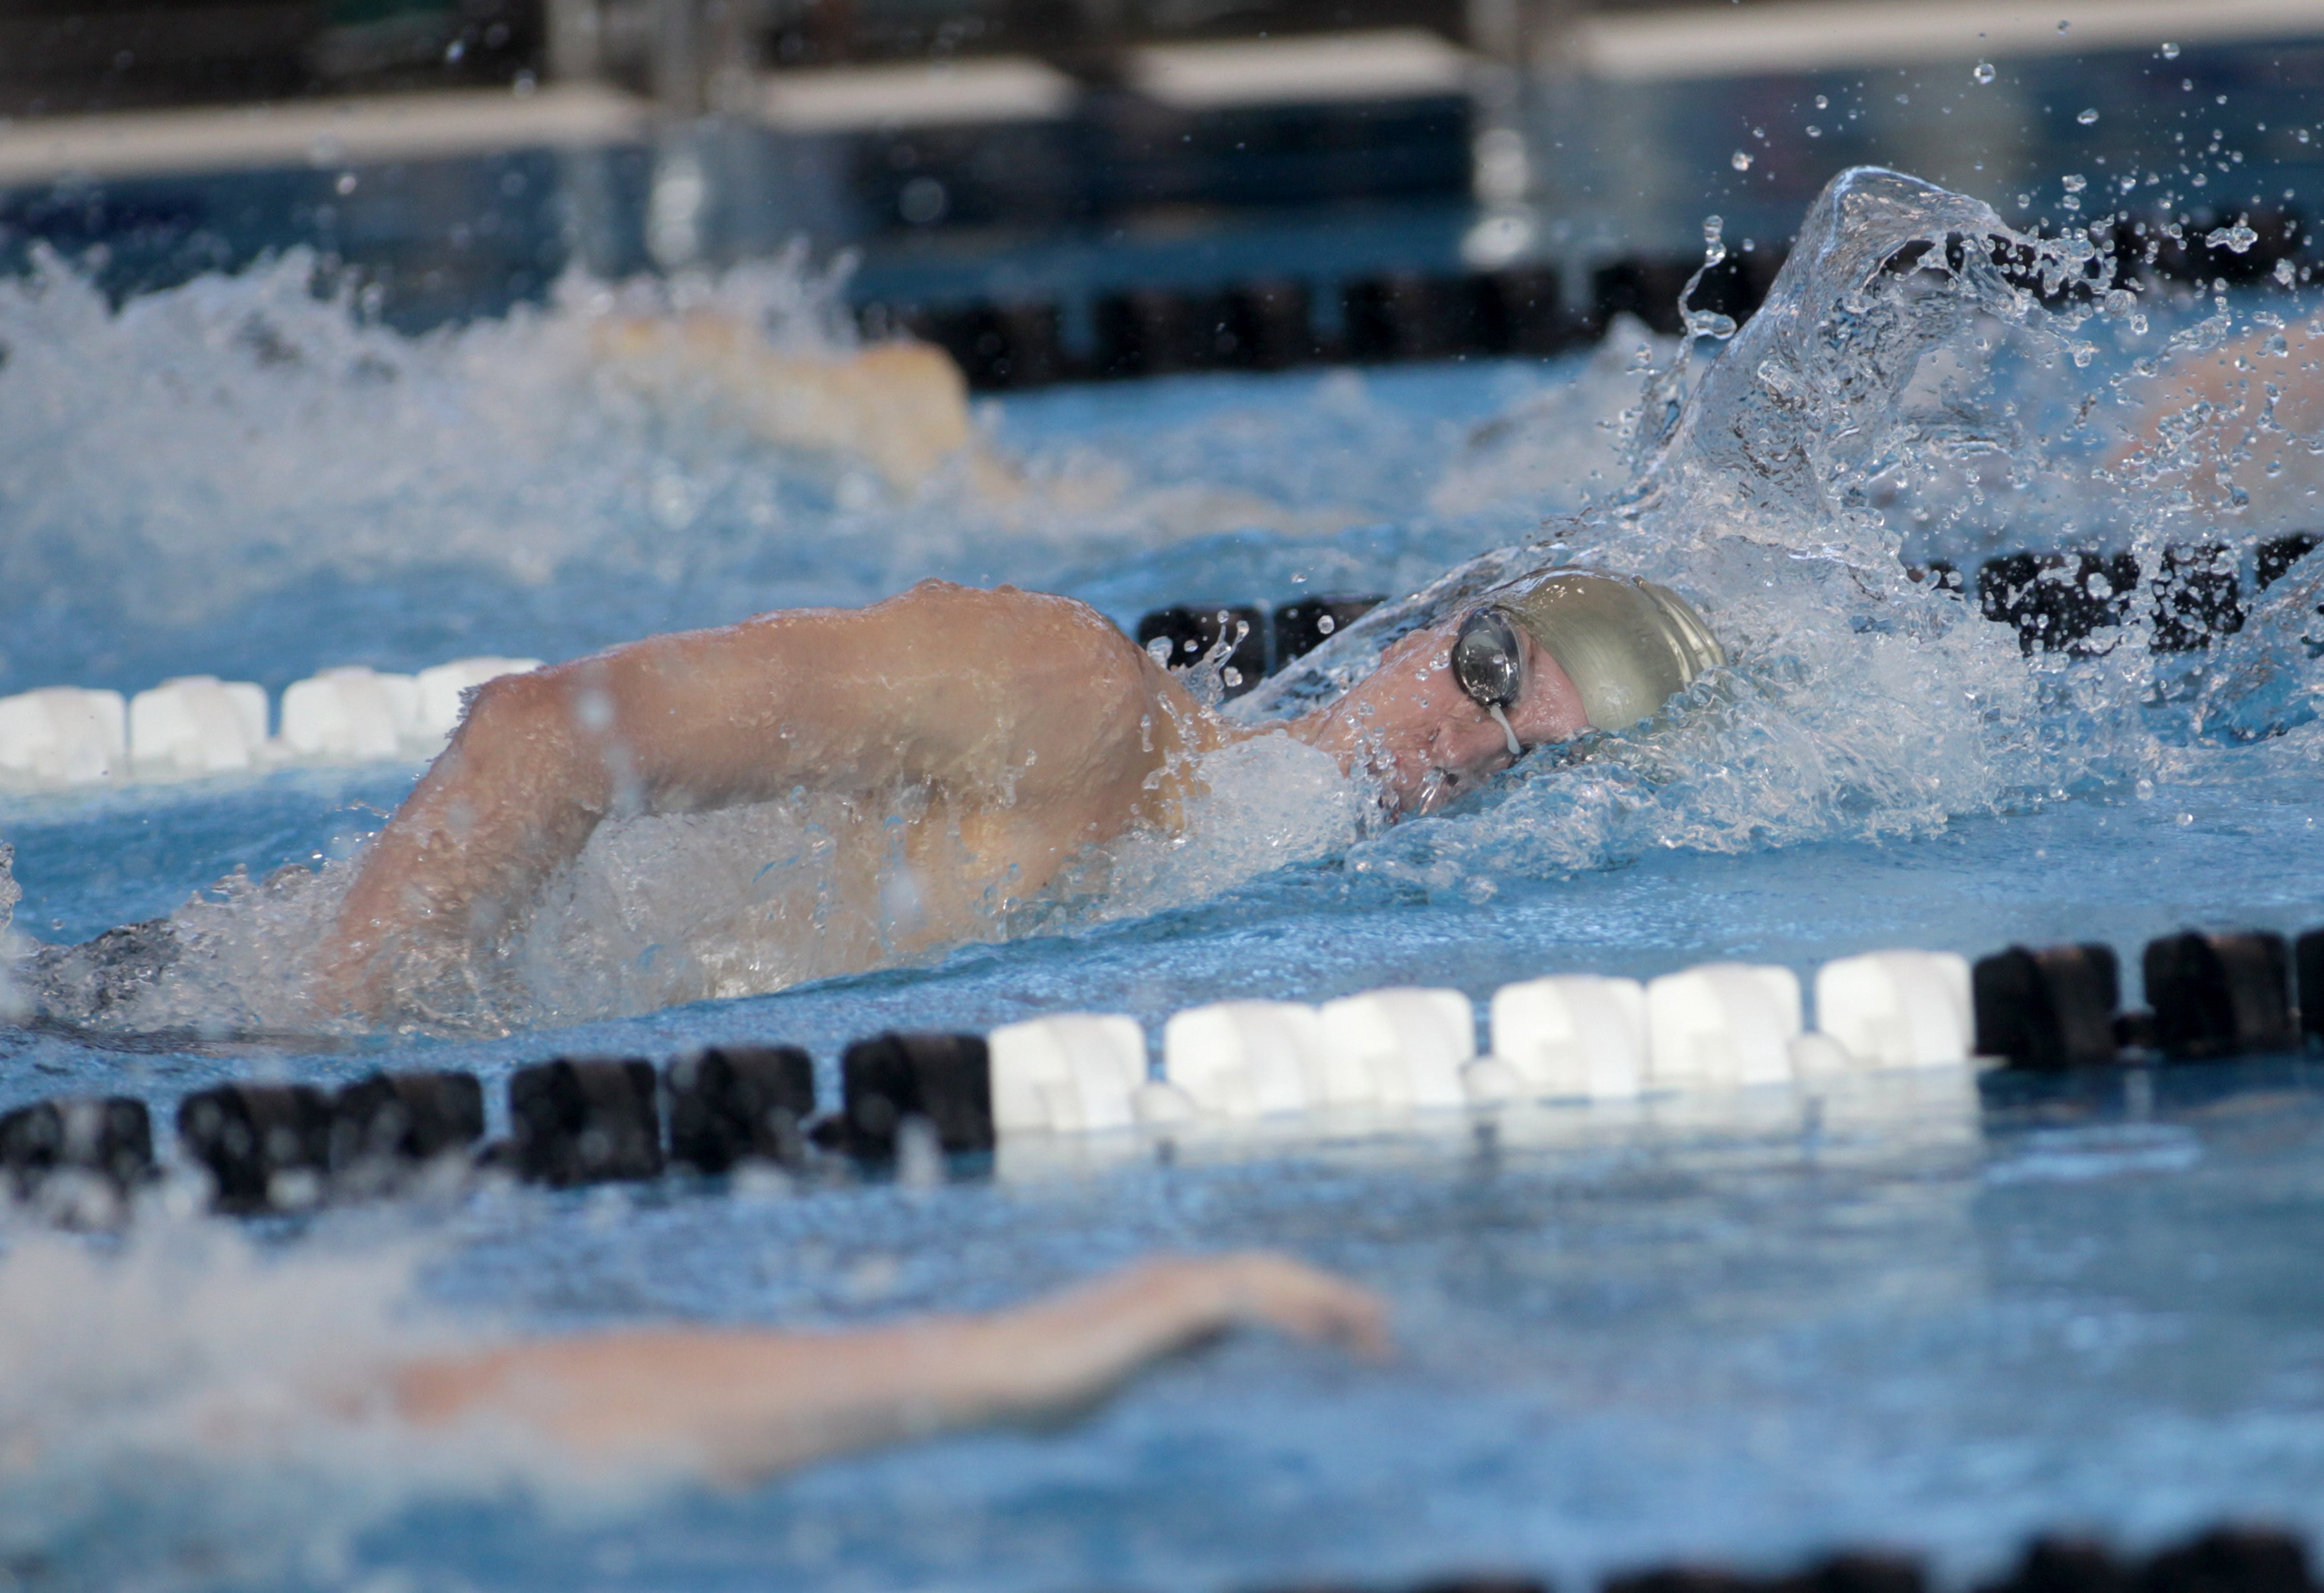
(742, 1404)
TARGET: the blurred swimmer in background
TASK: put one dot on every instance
(735, 1403)
(1028, 727)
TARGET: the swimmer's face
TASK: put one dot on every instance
(1410, 726)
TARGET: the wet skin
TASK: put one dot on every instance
(1026, 726)
(738, 1403)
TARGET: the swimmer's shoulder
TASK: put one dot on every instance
(1023, 620)
(1056, 650)
(1037, 641)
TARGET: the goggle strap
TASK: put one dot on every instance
(1501, 719)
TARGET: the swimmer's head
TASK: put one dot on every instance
(1540, 660)
(1627, 646)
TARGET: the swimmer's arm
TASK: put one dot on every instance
(942, 684)
(741, 1404)
(2234, 380)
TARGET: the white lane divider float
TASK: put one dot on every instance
(60, 737)
(1071, 1071)
(1401, 1048)
(194, 726)
(1895, 1009)
(1569, 1034)
(350, 715)
(1250, 1059)
(1721, 1025)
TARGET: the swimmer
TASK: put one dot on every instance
(2244, 417)
(735, 1405)
(900, 406)
(1027, 727)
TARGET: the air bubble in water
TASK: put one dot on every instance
(1739, 160)
(2088, 117)
(1984, 72)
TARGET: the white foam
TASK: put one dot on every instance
(244, 1392)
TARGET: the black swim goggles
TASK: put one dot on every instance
(1489, 661)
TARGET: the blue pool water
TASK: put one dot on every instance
(1747, 1327)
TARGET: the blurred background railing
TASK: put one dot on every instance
(459, 153)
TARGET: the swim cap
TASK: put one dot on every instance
(1627, 645)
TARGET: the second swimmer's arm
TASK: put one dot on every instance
(981, 692)
(742, 1404)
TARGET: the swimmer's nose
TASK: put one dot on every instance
(1437, 788)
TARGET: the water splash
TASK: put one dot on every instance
(1861, 702)
(179, 1409)
(1923, 382)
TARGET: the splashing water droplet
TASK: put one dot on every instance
(2236, 239)
(2169, 52)
(2088, 117)
(2073, 182)
(1739, 160)
(2063, 24)
(1983, 72)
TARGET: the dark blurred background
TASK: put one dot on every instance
(984, 156)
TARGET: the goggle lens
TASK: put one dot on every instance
(1488, 661)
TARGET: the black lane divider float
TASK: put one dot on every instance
(2225, 1559)
(2213, 996)
(2056, 603)
(1270, 324)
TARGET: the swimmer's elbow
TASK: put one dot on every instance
(521, 742)
(514, 716)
